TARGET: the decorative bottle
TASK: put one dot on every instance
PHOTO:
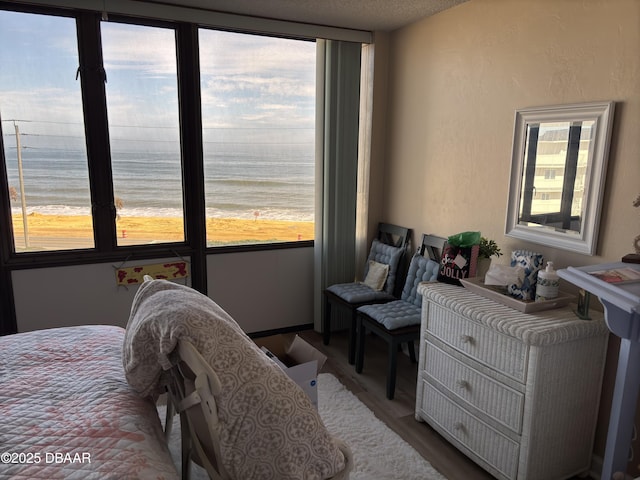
(548, 283)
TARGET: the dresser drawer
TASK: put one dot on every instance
(499, 402)
(518, 393)
(506, 354)
(497, 453)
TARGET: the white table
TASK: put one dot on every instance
(622, 314)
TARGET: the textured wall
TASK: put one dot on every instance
(455, 81)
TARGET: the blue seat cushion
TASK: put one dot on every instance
(406, 311)
(421, 269)
(393, 315)
(358, 293)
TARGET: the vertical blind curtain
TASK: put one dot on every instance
(337, 163)
(364, 157)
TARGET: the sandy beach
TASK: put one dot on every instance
(131, 230)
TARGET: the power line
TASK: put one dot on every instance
(266, 127)
(46, 135)
(43, 121)
(147, 140)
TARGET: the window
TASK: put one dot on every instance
(43, 133)
(103, 124)
(258, 116)
(126, 177)
(142, 106)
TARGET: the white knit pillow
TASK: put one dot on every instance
(376, 275)
(268, 428)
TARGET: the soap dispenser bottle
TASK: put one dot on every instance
(548, 283)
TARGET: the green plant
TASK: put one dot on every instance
(488, 248)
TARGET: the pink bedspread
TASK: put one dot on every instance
(66, 410)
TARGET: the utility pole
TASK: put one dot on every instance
(23, 200)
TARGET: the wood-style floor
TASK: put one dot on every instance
(398, 414)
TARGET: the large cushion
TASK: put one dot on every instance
(268, 427)
(358, 293)
(392, 315)
(421, 269)
(406, 311)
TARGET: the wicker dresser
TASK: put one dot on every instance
(517, 393)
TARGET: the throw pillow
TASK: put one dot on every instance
(389, 255)
(376, 275)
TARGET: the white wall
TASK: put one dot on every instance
(262, 290)
(456, 80)
(73, 295)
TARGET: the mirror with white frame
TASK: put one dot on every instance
(558, 171)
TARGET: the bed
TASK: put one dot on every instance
(67, 411)
(80, 402)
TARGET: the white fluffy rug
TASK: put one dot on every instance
(379, 453)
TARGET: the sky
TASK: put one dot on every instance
(246, 81)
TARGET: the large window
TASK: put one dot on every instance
(257, 127)
(43, 133)
(258, 109)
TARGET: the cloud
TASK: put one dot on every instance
(44, 105)
(275, 107)
(256, 70)
(241, 74)
(228, 53)
(146, 50)
(246, 80)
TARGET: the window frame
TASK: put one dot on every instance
(99, 156)
(105, 248)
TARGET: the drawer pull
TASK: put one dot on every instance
(463, 384)
(466, 339)
(459, 427)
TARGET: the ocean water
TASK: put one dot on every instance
(269, 181)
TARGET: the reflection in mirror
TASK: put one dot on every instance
(555, 167)
(557, 176)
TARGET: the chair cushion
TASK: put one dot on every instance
(406, 311)
(389, 255)
(421, 269)
(393, 315)
(377, 275)
(358, 293)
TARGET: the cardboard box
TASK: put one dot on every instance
(298, 359)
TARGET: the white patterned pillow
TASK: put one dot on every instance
(268, 427)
